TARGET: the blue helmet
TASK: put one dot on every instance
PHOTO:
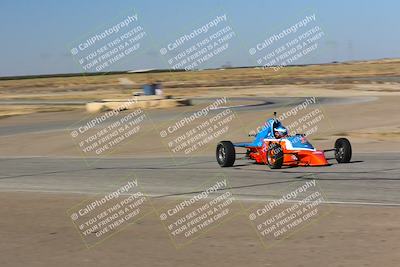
(279, 130)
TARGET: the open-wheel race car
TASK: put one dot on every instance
(274, 146)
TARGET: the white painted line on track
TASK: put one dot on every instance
(135, 157)
(385, 204)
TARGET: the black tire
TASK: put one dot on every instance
(225, 154)
(343, 150)
(275, 156)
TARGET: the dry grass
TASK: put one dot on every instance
(328, 79)
(83, 87)
(15, 110)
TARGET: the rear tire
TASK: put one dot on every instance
(343, 150)
(225, 154)
(275, 156)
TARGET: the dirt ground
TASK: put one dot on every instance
(372, 126)
(351, 78)
(36, 231)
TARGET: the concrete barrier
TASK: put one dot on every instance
(144, 102)
(95, 107)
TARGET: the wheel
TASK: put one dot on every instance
(275, 156)
(225, 154)
(342, 150)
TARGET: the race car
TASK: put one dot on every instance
(273, 146)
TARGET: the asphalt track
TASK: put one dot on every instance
(368, 179)
(253, 104)
(371, 178)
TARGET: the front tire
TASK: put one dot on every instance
(225, 154)
(343, 150)
(275, 156)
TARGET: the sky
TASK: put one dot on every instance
(37, 37)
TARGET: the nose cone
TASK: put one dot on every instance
(312, 158)
(318, 159)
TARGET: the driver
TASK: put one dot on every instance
(280, 131)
